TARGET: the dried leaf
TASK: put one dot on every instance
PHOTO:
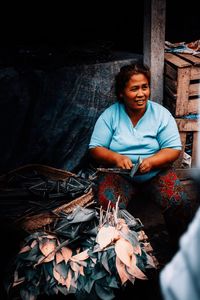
(74, 266)
(25, 249)
(59, 257)
(67, 253)
(33, 244)
(58, 277)
(106, 235)
(94, 259)
(124, 251)
(131, 236)
(151, 261)
(134, 270)
(82, 271)
(49, 258)
(142, 235)
(17, 280)
(137, 250)
(122, 226)
(131, 278)
(81, 256)
(147, 247)
(47, 246)
(121, 270)
(68, 279)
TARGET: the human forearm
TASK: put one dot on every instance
(107, 157)
(159, 160)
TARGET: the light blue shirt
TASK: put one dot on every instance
(156, 130)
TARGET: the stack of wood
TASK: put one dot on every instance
(182, 97)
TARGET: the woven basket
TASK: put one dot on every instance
(37, 221)
(51, 172)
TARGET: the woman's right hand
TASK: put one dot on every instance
(110, 158)
(123, 161)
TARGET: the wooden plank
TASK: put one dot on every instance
(194, 89)
(194, 60)
(172, 94)
(178, 162)
(176, 61)
(183, 81)
(154, 44)
(187, 124)
(171, 84)
(170, 71)
(170, 103)
(193, 106)
(195, 73)
(194, 149)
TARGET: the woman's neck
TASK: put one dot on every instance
(135, 115)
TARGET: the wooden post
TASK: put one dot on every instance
(154, 43)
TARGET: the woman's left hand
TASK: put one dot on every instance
(146, 165)
(161, 159)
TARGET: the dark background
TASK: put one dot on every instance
(36, 93)
(89, 26)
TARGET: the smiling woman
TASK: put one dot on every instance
(136, 127)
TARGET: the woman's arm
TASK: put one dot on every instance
(107, 157)
(159, 160)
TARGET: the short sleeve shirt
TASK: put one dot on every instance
(156, 130)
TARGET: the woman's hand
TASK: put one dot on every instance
(123, 161)
(107, 157)
(161, 159)
(146, 165)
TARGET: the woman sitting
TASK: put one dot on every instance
(137, 127)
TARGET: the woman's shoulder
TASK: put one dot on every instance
(159, 108)
(113, 108)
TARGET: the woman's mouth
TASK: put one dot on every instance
(140, 102)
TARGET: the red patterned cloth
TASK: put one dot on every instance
(165, 189)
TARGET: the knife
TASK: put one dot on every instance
(131, 172)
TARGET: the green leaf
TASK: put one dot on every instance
(98, 272)
(104, 293)
(62, 269)
(104, 261)
(131, 237)
(112, 282)
(89, 285)
(63, 290)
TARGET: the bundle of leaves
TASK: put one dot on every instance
(89, 253)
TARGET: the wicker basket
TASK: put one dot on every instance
(37, 221)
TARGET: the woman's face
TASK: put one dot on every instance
(136, 93)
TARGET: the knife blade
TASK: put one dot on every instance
(128, 172)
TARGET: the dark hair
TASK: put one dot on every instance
(125, 74)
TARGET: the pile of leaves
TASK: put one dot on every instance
(88, 253)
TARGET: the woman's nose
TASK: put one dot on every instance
(140, 92)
